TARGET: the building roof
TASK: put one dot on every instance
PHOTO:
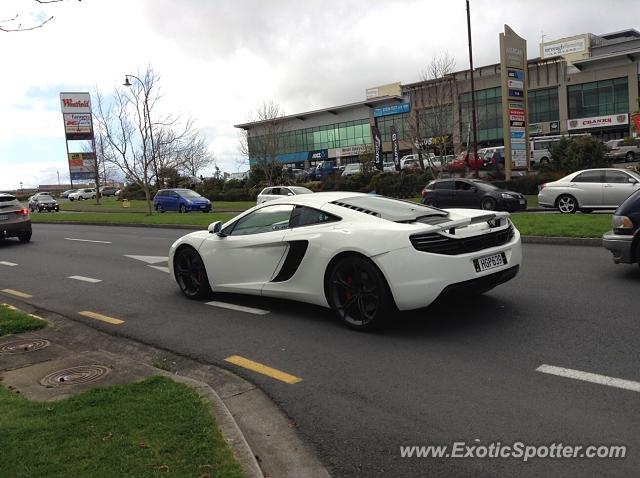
(632, 55)
(629, 33)
(370, 103)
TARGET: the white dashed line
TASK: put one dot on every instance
(249, 310)
(590, 377)
(10, 264)
(149, 259)
(85, 279)
(87, 240)
(161, 268)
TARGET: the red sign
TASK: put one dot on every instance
(636, 121)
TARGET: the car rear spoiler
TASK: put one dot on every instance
(497, 220)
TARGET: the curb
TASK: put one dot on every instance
(563, 241)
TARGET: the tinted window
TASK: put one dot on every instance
(189, 194)
(588, 177)
(616, 177)
(301, 190)
(285, 191)
(463, 186)
(6, 201)
(443, 185)
(275, 191)
(307, 216)
(266, 219)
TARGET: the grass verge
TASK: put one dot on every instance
(113, 205)
(194, 219)
(13, 321)
(152, 428)
(562, 225)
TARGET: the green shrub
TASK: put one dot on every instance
(134, 191)
(576, 153)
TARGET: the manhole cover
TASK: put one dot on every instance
(23, 346)
(75, 375)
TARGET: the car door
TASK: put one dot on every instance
(617, 187)
(246, 257)
(465, 194)
(588, 188)
(444, 193)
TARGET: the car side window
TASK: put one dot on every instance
(266, 191)
(275, 191)
(444, 185)
(463, 186)
(285, 191)
(588, 177)
(308, 216)
(266, 219)
(616, 177)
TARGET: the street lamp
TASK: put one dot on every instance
(147, 119)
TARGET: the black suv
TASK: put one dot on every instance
(624, 240)
(14, 219)
(471, 193)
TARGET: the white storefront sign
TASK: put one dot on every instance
(598, 121)
(564, 48)
(351, 150)
(75, 102)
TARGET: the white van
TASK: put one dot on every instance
(539, 147)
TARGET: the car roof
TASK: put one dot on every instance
(316, 200)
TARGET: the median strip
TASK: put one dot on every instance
(590, 377)
(87, 240)
(263, 369)
(85, 279)
(17, 293)
(103, 318)
(240, 308)
(10, 264)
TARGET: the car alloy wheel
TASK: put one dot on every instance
(358, 293)
(159, 208)
(430, 202)
(191, 273)
(489, 204)
(183, 208)
(567, 204)
(631, 156)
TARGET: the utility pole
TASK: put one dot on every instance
(473, 95)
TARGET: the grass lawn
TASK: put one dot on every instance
(195, 219)
(14, 322)
(562, 225)
(532, 200)
(113, 205)
(153, 428)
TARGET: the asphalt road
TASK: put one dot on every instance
(460, 370)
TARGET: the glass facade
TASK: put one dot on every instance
(543, 105)
(338, 135)
(599, 98)
(488, 116)
(436, 121)
(401, 123)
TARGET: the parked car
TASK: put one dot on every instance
(65, 194)
(322, 170)
(589, 189)
(619, 150)
(389, 167)
(180, 200)
(278, 192)
(106, 191)
(409, 161)
(351, 169)
(43, 202)
(466, 160)
(297, 174)
(14, 219)
(624, 239)
(83, 193)
(493, 157)
(471, 193)
(362, 255)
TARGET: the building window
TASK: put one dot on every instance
(400, 122)
(599, 98)
(543, 105)
(436, 121)
(488, 117)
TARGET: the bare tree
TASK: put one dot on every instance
(262, 144)
(195, 156)
(14, 25)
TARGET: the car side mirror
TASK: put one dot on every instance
(632, 181)
(289, 194)
(216, 228)
(474, 189)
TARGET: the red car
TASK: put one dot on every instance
(466, 159)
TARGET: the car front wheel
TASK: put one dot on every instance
(489, 204)
(631, 156)
(26, 237)
(358, 293)
(567, 204)
(191, 274)
(182, 209)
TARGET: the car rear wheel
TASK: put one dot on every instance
(191, 274)
(630, 156)
(159, 208)
(430, 202)
(489, 204)
(567, 204)
(26, 237)
(358, 293)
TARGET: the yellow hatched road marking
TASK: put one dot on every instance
(103, 318)
(17, 293)
(263, 369)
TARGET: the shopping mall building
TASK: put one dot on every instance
(581, 84)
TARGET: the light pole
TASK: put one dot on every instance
(473, 94)
(147, 119)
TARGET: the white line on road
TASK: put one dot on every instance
(10, 264)
(240, 308)
(87, 240)
(590, 377)
(85, 279)
(161, 268)
(149, 259)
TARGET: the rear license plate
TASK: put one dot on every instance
(490, 262)
(521, 201)
(4, 217)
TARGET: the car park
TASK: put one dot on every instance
(42, 202)
(14, 219)
(589, 189)
(83, 193)
(107, 191)
(623, 150)
(471, 193)
(278, 192)
(66, 193)
(180, 200)
(624, 239)
(349, 252)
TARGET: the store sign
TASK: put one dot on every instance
(351, 150)
(516, 105)
(554, 126)
(321, 154)
(515, 84)
(516, 93)
(77, 123)
(392, 110)
(75, 102)
(578, 45)
(535, 128)
(82, 163)
(517, 118)
(516, 135)
(516, 74)
(598, 121)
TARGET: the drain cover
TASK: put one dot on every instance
(75, 375)
(23, 346)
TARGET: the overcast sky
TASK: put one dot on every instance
(219, 59)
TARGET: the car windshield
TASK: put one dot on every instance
(45, 198)
(301, 190)
(7, 201)
(634, 174)
(189, 194)
(391, 209)
(486, 186)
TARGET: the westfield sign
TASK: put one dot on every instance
(70, 103)
(75, 102)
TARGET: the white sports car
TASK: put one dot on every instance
(362, 255)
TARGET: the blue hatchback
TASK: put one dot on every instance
(181, 200)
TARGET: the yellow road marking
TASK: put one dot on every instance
(263, 369)
(104, 318)
(17, 293)
(9, 306)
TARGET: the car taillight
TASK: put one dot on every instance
(542, 186)
(23, 212)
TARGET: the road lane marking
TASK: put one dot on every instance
(161, 268)
(87, 240)
(590, 377)
(263, 369)
(149, 259)
(9, 306)
(85, 279)
(17, 293)
(103, 318)
(10, 264)
(241, 308)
